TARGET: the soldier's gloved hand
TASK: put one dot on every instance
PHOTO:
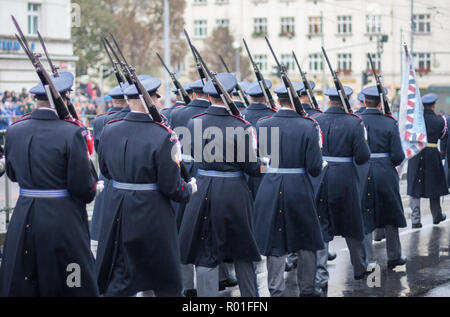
(324, 164)
(193, 183)
(265, 161)
(99, 188)
(2, 165)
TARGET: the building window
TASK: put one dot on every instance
(199, 1)
(259, 27)
(33, 18)
(422, 62)
(344, 63)
(315, 63)
(315, 25)
(222, 23)
(373, 24)
(222, 1)
(261, 61)
(344, 24)
(200, 28)
(287, 26)
(288, 61)
(376, 63)
(422, 23)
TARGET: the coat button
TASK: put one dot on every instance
(202, 238)
(420, 169)
(204, 218)
(281, 211)
(368, 194)
(279, 229)
(421, 157)
(26, 252)
(368, 209)
(321, 200)
(206, 198)
(28, 226)
(368, 178)
(26, 278)
(281, 193)
(117, 219)
(420, 180)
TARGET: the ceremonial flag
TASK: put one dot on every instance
(413, 131)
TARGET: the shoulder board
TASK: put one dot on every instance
(20, 120)
(72, 121)
(115, 120)
(264, 118)
(243, 120)
(26, 114)
(163, 126)
(198, 115)
(391, 117)
(309, 118)
(179, 107)
(163, 116)
(354, 114)
(273, 109)
(107, 113)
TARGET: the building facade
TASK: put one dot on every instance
(348, 29)
(53, 19)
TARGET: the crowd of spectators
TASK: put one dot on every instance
(85, 98)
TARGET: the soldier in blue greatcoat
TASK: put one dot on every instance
(382, 205)
(338, 203)
(167, 112)
(310, 110)
(426, 177)
(138, 247)
(46, 251)
(285, 213)
(218, 221)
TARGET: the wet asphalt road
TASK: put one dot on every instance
(426, 274)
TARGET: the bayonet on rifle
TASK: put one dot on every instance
(384, 102)
(238, 87)
(339, 86)
(219, 87)
(261, 80)
(181, 91)
(308, 89)
(293, 95)
(200, 69)
(53, 94)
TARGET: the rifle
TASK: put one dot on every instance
(384, 101)
(261, 80)
(181, 91)
(147, 101)
(53, 95)
(125, 71)
(293, 95)
(119, 76)
(200, 69)
(238, 87)
(55, 73)
(309, 91)
(219, 87)
(339, 87)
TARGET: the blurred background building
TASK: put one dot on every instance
(53, 20)
(348, 29)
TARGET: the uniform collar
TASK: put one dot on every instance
(372, 111)
(44, 114)
(218, 111)
(335, 110)
(257, 106)
(425, 110)
(202, 103)
(115, 109)
(126, 109)
(286, 113)
(138, 116)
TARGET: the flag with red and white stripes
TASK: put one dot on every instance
(412, 126)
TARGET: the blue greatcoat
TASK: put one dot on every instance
(180, 117)
(45, 235)
(167, 112)
(253, 113)
(138, 246)
(426, 177)
(285, 212)
(240, 105)
(310, 111)
(382, 204)
(218, 221)
(338, 197)
(98, 212)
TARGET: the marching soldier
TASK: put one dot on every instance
(258, 107)
(306, 102)
(382, 205)
(338, 207)
(119, 109)
(237, 99)
(138, 247)
(426, 177)
(47, 243)
(285, 212)
(217, 224)
(167, 112)
(361, 106)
